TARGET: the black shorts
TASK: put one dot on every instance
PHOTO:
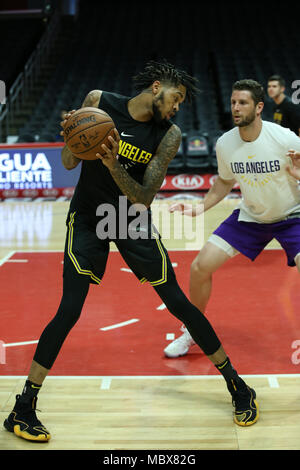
(147, 258)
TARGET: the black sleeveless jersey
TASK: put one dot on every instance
(138, 144)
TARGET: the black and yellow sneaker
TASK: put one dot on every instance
(24, 423)
(244, 401)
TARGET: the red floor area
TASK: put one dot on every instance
(254, 309)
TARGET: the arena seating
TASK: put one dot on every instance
(18, 38)
(218, 43)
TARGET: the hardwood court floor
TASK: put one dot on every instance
(175, 412)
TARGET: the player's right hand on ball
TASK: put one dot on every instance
(63, 122)
(186, 209)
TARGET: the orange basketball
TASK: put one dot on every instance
(86, 130)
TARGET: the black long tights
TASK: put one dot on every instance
(75, 290)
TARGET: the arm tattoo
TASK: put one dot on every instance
(155, 171)
(92, 99)
(69, 160)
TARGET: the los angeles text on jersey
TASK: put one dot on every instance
(255, 167)
(134, 153)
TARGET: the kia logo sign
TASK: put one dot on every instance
(10, 193)
(30, 192)
(68, 192)
(212, 179)
(187, 181)
(50, 192)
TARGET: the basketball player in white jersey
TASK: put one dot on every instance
(264, 159)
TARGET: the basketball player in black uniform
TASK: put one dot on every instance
(134, 166)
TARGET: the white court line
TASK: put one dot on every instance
(23, 343)
(118, 325)
(105, 383)
(273, 382)
(9, 255)
(170, 336)
(161, 307)
(17, 261)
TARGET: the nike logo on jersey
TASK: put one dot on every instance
(126, 135)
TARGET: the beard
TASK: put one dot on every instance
(157, 116)
(247, 120)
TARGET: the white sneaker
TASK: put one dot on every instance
(181, 345)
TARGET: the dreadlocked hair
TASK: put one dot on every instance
(165, 73)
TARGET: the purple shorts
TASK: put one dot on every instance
(250, 238)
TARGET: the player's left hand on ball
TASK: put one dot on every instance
(110, 154)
